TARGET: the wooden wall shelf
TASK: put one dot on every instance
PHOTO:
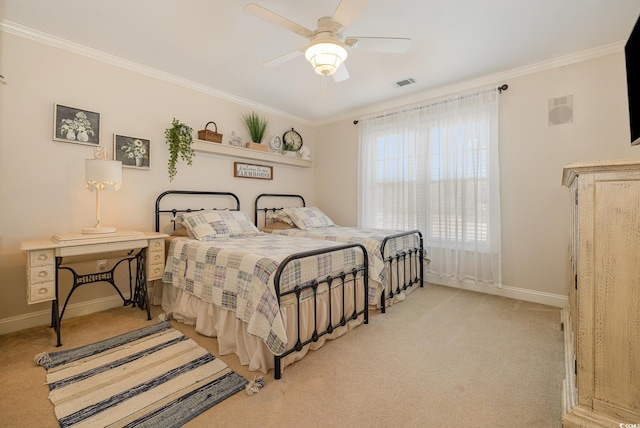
(243, 153)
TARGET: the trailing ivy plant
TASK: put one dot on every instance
(179, 139)
(256, 125)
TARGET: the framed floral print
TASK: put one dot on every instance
(133, 152)
(73, 125)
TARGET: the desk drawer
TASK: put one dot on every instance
(41, 292)
(40, 274)
(41, 257)
(156, 257)
(156, 244)
(155, 271)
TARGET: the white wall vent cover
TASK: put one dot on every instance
(405, 82)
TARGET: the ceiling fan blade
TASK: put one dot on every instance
(283, 58)
(272, 17)
(348, 10)
(341, 73)
(382, 44)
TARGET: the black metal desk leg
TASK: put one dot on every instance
(141, 296)
(55, 310)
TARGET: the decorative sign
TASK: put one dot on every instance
(247, 170)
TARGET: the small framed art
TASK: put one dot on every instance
(247, 170)
(74, 125)
(133, 152)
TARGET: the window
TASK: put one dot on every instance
(435, 168)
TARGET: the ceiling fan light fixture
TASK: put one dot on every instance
(325, 57)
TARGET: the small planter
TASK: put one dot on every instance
(257, 126)
(257, 146)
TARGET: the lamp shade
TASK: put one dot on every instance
(325, 57)
(103, 174)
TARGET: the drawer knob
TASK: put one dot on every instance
(42, 291)
(43, 274)
(42, 257)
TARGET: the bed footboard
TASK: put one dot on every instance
(334, 284)
(409, 265)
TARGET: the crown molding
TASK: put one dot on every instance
(98, 55)
(496, 78)
(492, 79)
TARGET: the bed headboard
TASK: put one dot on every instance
(265, 199)
(184, 201)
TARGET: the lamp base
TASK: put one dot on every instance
(94, 230)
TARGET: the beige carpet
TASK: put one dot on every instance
(443, 358)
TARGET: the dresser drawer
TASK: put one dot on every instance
(41, 292)
(41, 258)
(40, 274)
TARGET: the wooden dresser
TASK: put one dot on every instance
(602, 324)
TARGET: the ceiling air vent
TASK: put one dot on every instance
(405, 82)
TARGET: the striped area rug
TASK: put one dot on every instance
(152, 377)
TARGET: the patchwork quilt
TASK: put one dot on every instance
(237, 273)
(371, 239)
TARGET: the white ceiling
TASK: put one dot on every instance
(216, 44)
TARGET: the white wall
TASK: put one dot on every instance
(41, 181)
(535, 206)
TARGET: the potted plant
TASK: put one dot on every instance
(179, 139)
(257, 127)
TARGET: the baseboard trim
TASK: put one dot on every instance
(533, 296)
(36, 319)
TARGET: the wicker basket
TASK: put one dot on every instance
(208, 135)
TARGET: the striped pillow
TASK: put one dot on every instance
(308, 217)
(211, 224)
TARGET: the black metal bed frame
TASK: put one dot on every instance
(414, 256)
(342, 279)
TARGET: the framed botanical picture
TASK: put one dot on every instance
(74, 125)
(133, 152)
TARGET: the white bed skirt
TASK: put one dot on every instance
(231, 332)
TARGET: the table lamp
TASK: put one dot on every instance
(102, 174)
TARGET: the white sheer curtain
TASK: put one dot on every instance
(434, 167)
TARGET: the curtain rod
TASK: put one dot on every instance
(500, 89)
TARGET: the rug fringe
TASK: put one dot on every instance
(42, 358)
(255, 385)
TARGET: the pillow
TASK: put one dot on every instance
(211, 224)
(280, 216)
(308, 217)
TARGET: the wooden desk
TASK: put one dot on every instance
(45, 258)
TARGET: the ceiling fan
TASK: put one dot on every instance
(328, 45)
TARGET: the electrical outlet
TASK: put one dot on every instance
(101, 265)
